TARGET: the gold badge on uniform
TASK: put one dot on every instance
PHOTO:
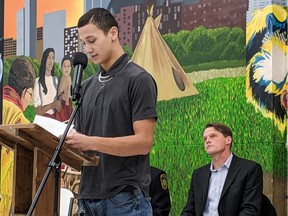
(163, 180)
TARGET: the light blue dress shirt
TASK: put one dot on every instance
(216, 183)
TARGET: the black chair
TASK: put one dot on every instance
(159, 193)
(267, 209)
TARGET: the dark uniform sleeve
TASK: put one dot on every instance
(159, 193)
(267, 209)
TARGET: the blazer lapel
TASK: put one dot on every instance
(205, 186)
(232, 173)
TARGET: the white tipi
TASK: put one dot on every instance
(153, 54)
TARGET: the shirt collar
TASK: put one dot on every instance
(226, 164)
(117, 66)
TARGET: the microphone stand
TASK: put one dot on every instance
(55, 163)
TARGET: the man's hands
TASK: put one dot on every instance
(77, 141)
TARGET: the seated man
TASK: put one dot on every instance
(159, 192)
(229, 185)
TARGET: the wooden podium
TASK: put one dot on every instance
(33, 148)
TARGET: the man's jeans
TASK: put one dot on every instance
(124, 204)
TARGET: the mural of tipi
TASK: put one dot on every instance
(153, 54)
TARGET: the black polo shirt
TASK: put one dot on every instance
(109, 108)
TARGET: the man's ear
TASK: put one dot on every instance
(22, 95)
(114, 33)
(228, 140)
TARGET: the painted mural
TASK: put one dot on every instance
(1, 50)
(266, 73)
(172, 81)
(16, 98)
(206, 71)
(1, 61)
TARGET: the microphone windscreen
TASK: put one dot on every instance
(80, 58)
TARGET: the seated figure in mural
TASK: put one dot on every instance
(16, 97)
(229, 185)
(64, 90)
(46, 85)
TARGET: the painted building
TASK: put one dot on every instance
(26, 29)
(213, 14)
(125, 22)
(9, 47)
(20, 32)
(53, 35)
(70, 41)
(169, 23)
(30, 28)
(88, 4)
(39, 43)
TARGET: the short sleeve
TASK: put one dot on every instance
(143, 96)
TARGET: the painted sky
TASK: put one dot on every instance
(74, 9)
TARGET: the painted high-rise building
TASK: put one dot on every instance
(70, 41)
(53, 34)
(88, 4)
(125, 21)
(169, 23)
(26, 29)
(30, 28)
(214, 14)
(20, 32)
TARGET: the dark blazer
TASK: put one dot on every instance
(241, 194)
(267, 209)
(159, 192)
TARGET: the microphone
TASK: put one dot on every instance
(80, 61)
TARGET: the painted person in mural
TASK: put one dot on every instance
(1, 63)
(17, 95)
(64, 90)
(229, 185)
(1, 67)
(116, 122)
(46, 85)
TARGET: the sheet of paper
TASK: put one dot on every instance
(54, 126)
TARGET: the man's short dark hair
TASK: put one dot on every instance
(21, 75)
(100, 17)
(223, 129)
